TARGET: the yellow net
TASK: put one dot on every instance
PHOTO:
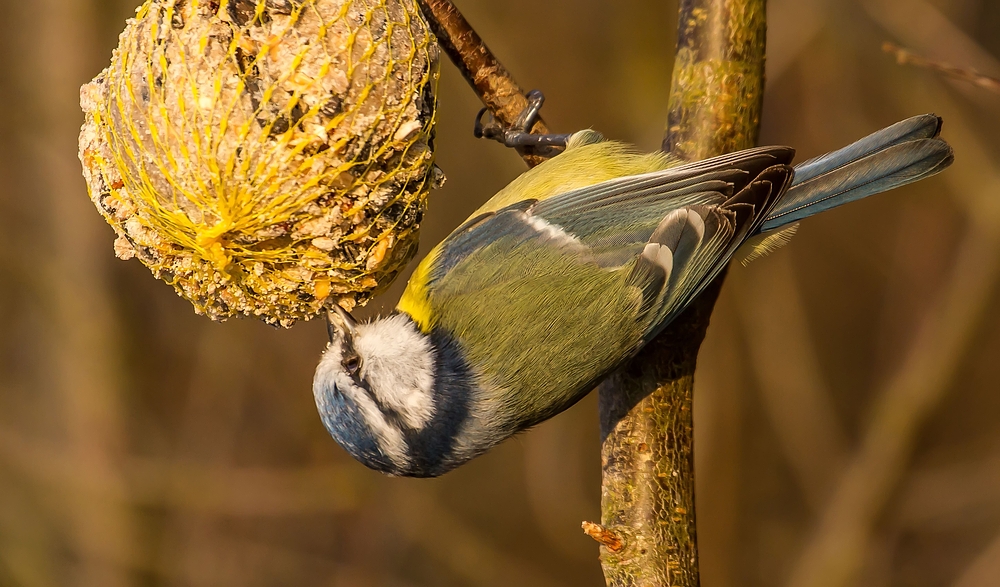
(266, 157)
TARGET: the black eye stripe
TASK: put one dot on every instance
(388, 411)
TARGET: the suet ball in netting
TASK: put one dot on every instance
(266, 157)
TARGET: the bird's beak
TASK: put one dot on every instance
(339, 320)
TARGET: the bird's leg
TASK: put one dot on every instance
(519, 133)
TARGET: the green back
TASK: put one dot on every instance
(553, 283)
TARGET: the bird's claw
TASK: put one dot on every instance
(519, 133)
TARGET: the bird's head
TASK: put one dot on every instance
(374, 388)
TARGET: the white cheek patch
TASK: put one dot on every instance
(330, 373)
(397, 363)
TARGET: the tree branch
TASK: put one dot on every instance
(646, 408)
(965, 74)
(648, 534)
(488, 77)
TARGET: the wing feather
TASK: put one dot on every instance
(668, 234)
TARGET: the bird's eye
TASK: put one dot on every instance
(352, 363)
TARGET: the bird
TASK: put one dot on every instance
(563, 276)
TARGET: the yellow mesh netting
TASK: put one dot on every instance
(266, 157)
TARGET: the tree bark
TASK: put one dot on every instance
(648, 533)
(491, 81)
(647, 497)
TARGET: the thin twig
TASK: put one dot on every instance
(491, 81)
(81, 332)
(966, 74)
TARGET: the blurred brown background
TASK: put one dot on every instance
(848, 395)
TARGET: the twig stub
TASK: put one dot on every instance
(608, 539)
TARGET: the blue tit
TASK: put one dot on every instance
(563, 276)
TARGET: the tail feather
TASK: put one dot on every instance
(900, 154)
(925, 126)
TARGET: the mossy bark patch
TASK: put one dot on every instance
(647, 496)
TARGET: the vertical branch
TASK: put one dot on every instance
(717, 89)
(647, 498)
(648, 536)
